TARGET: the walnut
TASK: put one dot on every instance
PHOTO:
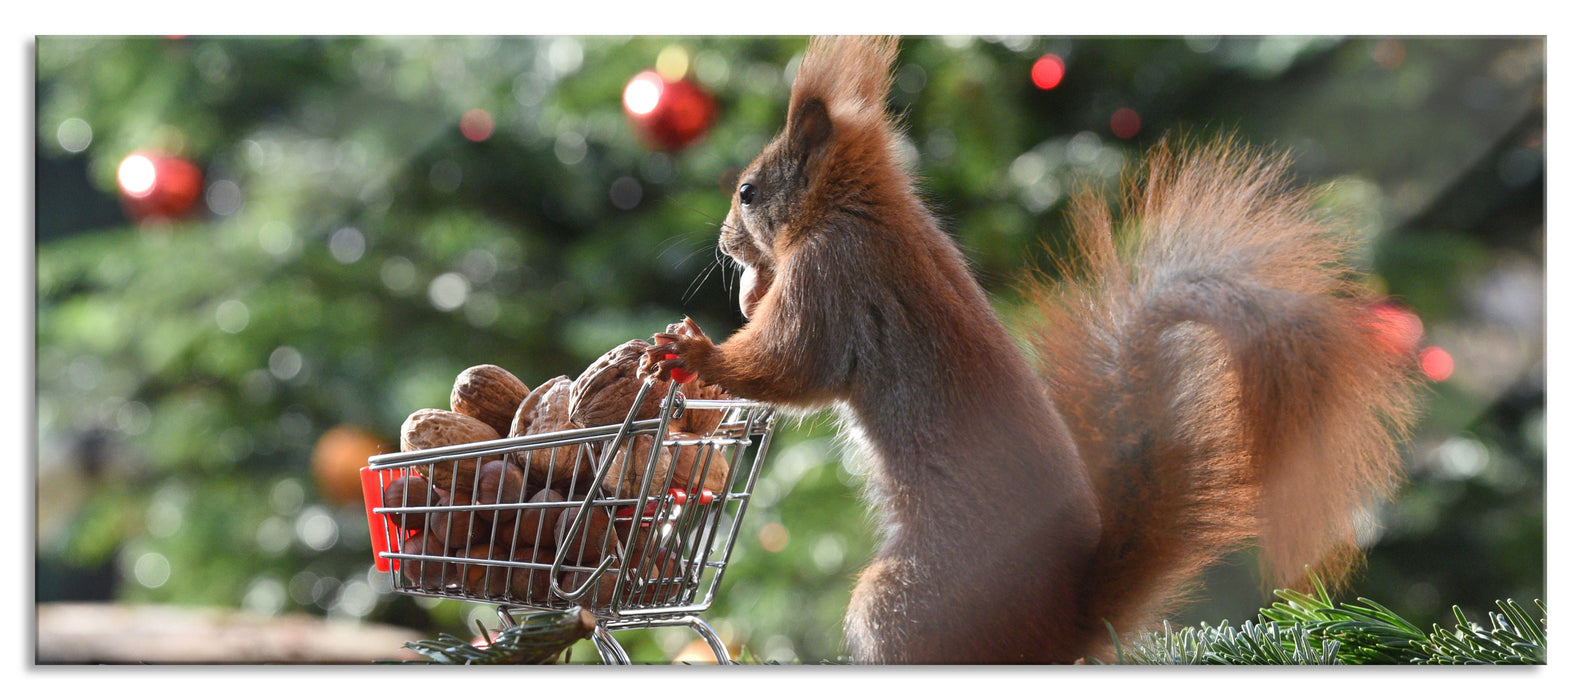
(625, 476)
(543, 409)
(432, 427)
(518, 583)
(702, 421)
(488, 393)
(603, 393)
(534, 527)
(699, 466)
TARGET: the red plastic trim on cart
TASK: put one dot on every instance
(677, 496)
(373, 497)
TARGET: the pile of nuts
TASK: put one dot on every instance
(462, 508)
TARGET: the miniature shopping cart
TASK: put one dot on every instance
(617, 519)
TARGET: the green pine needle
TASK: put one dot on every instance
(1312, 630)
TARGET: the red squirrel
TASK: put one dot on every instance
(1209, 380)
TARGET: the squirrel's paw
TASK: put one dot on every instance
(686, 327)
(671, 349)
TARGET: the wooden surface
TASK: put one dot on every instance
(101, 633)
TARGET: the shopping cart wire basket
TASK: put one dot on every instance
(629, 521)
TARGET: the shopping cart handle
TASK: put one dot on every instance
(582, 589)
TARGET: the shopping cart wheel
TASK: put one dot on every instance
(613, 654)
(721, 654)
(610, 651)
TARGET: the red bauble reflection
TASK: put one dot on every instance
(477, 124)
(158, 186)
(668, 114)
(1436, 363)
(1396, 328)
(338, 458)
(1048, 71)
(1125, 122)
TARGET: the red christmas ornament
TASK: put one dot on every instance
(338, 457)
(158, 186)
(668, 114)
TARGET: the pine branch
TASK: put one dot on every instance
(538, 639)
(1311, 629)
(1515, 638)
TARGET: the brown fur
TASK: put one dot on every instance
(1215, 383)
(1222, 380)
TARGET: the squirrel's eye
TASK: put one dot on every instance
(747, 191)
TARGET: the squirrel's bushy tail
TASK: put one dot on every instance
(1217, 362)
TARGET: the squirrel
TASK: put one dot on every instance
(1212, 379)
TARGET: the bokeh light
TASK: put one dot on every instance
(1125, 123)
(287, 496)
(156, 187)
(448, 291)
(829, 553)
(1436, 363)
(276, 238)
(285, 362)
(266, 595)
(1048, 71)
(477, 124)
(571, 147)
(668, 114)
(136, 175)
(152, 570)
(316, 528)
(273, 535)
(398, 273)
(347, 245)
(626, 192)
(672, 62)
(642, 93)
(224, 197)
(1389, 53)
(232, 316)
(74, 135)
(773, 537)
(357, 599)
(1398, 328)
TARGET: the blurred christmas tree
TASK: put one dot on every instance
(256, 256)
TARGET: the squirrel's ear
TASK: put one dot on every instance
(810, 129)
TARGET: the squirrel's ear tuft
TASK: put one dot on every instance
(849, 74)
